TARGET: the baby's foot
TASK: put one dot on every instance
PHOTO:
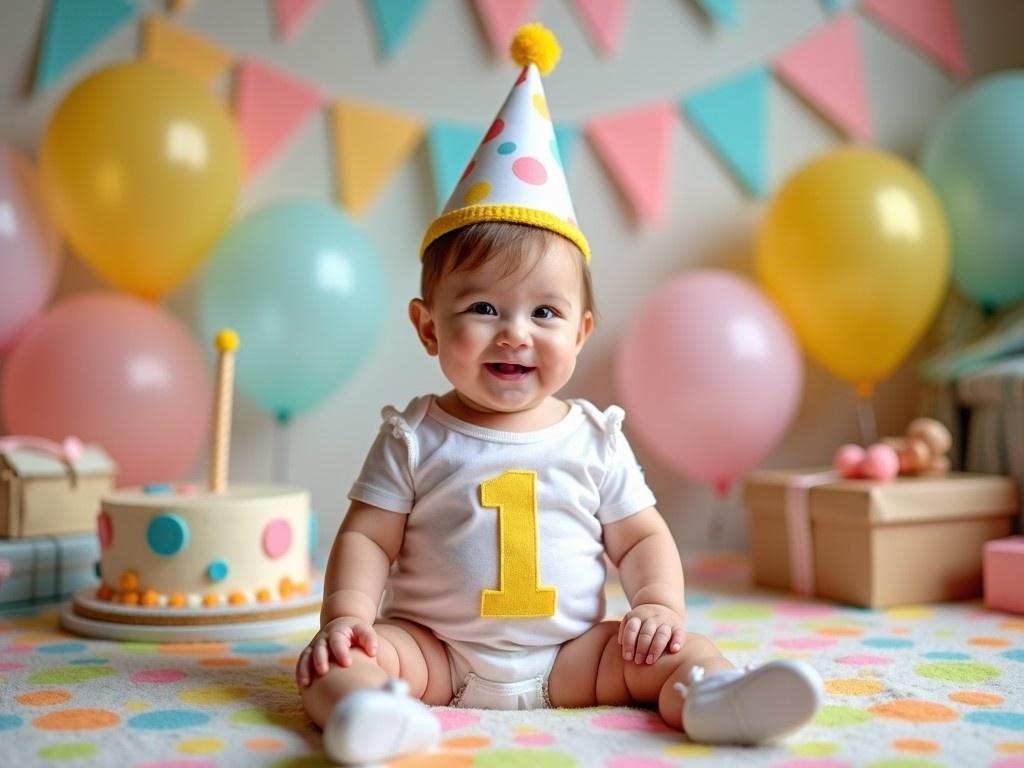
(746, 706)
(378, 724)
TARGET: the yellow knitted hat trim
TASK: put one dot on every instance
(514, 214)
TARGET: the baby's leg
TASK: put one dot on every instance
(590, 670)
(406, 650)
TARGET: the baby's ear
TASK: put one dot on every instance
(423, 322)
(586, 326)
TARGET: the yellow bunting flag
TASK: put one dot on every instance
(369, 145)
(167, 43)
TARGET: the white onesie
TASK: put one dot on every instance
(503, 556)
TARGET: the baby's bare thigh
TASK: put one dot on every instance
(420, 657)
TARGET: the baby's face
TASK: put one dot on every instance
(507, 342)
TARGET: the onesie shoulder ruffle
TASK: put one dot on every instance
(608, 422)
(403, 424)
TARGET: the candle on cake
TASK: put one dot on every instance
(226, 343)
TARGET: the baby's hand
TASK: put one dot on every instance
(649, 630)
(336, 638)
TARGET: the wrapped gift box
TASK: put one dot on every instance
(47, 568)
(876, 543)
(40, 495)
(1004, 574)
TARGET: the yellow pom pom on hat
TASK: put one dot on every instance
(516, 174)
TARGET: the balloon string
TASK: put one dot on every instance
(279, 462)
(716, 521)
(866, 420)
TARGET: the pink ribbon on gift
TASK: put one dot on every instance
(798, 528)
(68, 451)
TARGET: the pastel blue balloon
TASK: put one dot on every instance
(304, 290)
(974, 158)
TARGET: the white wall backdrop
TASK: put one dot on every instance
(446, 71)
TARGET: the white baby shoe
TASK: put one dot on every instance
(378, 724)
(747, 706)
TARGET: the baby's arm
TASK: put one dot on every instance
(366, 545)
(645, 553)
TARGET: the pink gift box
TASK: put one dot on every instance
(1004, 574)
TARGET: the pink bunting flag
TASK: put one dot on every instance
(604, 20)
(826, 69)
(636, 148)
(289, 15)
(269, 108)
(928, 25)
(501, 19)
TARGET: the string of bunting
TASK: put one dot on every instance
(825, 68)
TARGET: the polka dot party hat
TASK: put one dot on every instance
(516, 174)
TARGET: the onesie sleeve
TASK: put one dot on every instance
(624, 490)
(385, 480)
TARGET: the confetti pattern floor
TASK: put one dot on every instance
(913, 687)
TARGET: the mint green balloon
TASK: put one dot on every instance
(974, 158)
(303, 288)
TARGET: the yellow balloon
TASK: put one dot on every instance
(142, 166)
(855, 251)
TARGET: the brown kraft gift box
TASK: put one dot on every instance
(875, 543)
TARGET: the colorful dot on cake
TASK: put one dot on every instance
(105, 529)
(211, 600)
(277, 537)
(150, 598)
(167, 534)
(177, 600)
(129, 580)
(217, 571)
(238, 598)
(156, 488)
(507, 148)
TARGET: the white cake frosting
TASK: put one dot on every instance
(183, 546)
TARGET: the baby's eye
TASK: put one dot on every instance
(483, 308)
(545, 313)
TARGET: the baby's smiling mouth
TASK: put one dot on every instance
(508, 370)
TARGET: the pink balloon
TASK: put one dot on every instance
(113, 370)
(30, 248)
(710, 375)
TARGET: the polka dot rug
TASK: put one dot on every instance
(910, 687)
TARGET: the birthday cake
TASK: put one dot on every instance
(191, 548)
(186, 547)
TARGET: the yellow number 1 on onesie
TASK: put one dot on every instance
(514, 493)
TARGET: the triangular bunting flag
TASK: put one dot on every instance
(567, 137)
(928, 25)
(394, 19)
(269, 107)
(73, 28)
(169, 44)
(604, 20)
(826, 69)
(722, 11)
(732, 117)
(501, 19)
(289, 14)
(369, 145)
(636, 148)
(451, 147)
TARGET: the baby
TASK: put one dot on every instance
(483, 516)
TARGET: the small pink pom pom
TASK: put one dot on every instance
(880, 462)
(848, 459)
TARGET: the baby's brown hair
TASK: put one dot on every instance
(473, 245)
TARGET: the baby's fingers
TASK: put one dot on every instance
(321, 656)
(628, 630)
(643, 641)
(365, 636)
(661, 637)
(678, 638)
(304, 667)
(340, 643)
